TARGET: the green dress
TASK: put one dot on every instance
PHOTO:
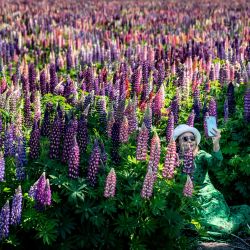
(218, 218)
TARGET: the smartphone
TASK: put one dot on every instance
(211, 124)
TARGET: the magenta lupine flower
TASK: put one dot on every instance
(142, 143)
(2, 167)
(16, 207)
(94, 162)
(188, 162)
(155, 152)
(40, 187)
(74, 160)
(170, 127)
(82, 134)
(148, 185)
(247, 105)
(171, 161)
(47, 194)
(4, 221)
(188, 188)
(34, 142)
(110, 184)
(123, 136)
(190, 120)
(136, 80)
(212, 109)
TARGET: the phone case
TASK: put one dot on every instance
(211, 123)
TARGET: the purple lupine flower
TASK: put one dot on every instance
(188, 166)
(69, 59)
(1, 130)
(142, 143)
(21, 158)
(188, 188)
(101, 109)
(175, 109)
(155, 152)
(74, 160)
(148, 185)
(226, 113)
(4, 221)
(9, 147)
(16, 207)
(147, 120)
(39, 193)
(27, 109)
(33, 190)
(34, 142)
(111, 121)
(43, 84)
(94, 162)
(53, 78)
(110, 184)
(171, 160)
(2, 167)
(71, 131)
(131, 115)
(212, 110)
(47, 194)
(103, 153)
(123, 136)
(32, 80)
(46, 124)
(247, 105)
(190, 120)
(115, 142)
(82, 134)
(231, 99)
(170, 127)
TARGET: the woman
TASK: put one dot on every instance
(216, 216)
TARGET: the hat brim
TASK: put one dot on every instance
(179, 130)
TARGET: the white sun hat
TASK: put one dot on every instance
(182, 128)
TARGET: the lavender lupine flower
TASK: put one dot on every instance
(171, 160)
(82, 134)
(231, 99)
(94, 162)
(47, 194)
(34, 142)
(123, 136)
(4, 221)
(226, 113)
(9, 147)
(188, 162)
(148, 117)
(101, 108)
(21, 158)
(212, 110)
(188, 188)
(74, 160)
(16, 207)
(71, 131)
(110, 184)
(170, 127)
(148, 185)
(142, 143)
(247, 105)
(46, 124)
(155, 152)
(190, 120)
(2, 167)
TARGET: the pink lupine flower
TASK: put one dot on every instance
(110, 184)
(142, 144)
(148, 184)
(123, 133)
(188, 188)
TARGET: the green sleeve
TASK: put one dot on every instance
(214, 160)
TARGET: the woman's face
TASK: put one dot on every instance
(187, 141)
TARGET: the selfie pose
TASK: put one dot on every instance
(218, 218)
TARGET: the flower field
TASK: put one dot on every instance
(90, 94)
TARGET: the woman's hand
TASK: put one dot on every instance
(216, 139)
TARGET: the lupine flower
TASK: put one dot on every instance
(21, 158)
(2, 167)
(101, 108)
(94, 162)
(43, 84)
(74, 160)
(69, 59)
(16, 207)
(111, 121)
(171, 161)
(53, 78)
(148, 185)
(46, 124)
(9, 147)
(47, 194)
(190, 120)
(82, 134)
(123, 136)
(103, 153)
(110, 184)
(132, 117)
(247, 105)
(142, 143)
(34, 142)
(148, 117)
(40, 187)
(4, 221)
(170, 127)
(188, 166)
(175, 109)
(188, 188)
(27, 110)
(212, 110)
